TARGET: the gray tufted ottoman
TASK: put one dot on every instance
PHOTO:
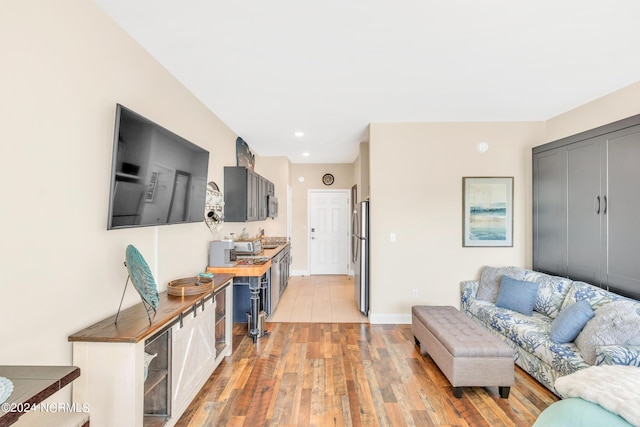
(466, 353)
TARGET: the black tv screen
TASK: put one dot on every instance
(157, 177)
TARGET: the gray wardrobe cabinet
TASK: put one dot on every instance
(586, 201)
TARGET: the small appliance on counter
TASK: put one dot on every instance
(222, 253)
(248, 247)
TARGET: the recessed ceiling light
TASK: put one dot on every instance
(299, 134)
(306, 154)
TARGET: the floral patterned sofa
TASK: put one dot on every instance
(598, 342)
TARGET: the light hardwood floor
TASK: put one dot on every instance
(318, 299)
(323, 364)
(349, 374)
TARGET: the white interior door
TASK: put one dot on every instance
(329, 231)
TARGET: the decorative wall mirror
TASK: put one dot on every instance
(214, 207)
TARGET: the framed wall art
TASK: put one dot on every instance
(487, 208)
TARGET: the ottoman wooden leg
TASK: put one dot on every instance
(504, 391)
(457, 392)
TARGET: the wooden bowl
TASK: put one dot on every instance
(190, 286)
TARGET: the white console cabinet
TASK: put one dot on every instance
(189, 335)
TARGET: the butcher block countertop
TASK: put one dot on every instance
(250, 270)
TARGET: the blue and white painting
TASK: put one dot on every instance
(488, 221)
(488, 211)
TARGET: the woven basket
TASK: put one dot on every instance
(190, 286)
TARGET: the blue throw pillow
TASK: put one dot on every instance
(517, 295)
(569, 323)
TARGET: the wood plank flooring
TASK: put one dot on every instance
(349, 374)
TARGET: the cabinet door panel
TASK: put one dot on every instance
(253, 183)
(549, 212)
(584, 205)
(194, 352)
(623, 206)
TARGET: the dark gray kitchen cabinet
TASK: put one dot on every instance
(240, 194)
(585, 207)
(262, 198)
(245, 195)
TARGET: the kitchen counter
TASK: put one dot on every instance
(252, 283)
(242, 270)
(250, 270)
(273, 252)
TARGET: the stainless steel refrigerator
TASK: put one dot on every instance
(360, 255)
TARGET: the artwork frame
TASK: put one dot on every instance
(487, 211)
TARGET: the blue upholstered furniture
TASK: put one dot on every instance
(530, 335)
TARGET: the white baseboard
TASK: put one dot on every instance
(306, 273)
(299, 272)
(389, 319)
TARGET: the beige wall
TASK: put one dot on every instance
(416, 192)
(361, 172)
(610, 108)
(65, 66)
(312, 173)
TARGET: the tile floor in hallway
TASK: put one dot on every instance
(318, 299)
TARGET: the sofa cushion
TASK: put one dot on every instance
(570, 321)
(532, 335)
(597, 297)
(615, 323)
(490, 281)
(517, 295)
(552, 291)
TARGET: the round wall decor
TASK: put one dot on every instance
(327, 179)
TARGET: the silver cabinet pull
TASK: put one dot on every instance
(598, 205)
(604, 211)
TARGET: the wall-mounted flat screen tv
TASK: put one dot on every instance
(157, 177)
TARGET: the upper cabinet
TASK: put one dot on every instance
(585, 205)
(245, 195)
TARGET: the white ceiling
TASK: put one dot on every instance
(331, 67)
